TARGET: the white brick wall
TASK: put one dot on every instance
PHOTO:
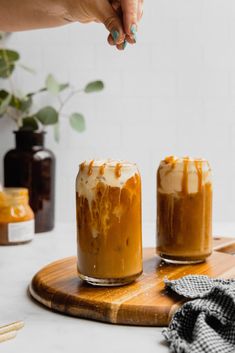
(172, 93)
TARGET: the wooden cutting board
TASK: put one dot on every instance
(145, 302)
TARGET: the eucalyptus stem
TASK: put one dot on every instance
(37, 92)
(68, 98)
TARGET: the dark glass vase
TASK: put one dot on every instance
(32, 166)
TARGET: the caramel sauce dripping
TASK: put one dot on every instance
(82, 166)
(198, 165)
(90, 167)
(117, 171)
(185, 176)
(101, 169)
(171, 160)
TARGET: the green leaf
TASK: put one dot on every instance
(47, 116)
(3, 94)
(7, 62)
(94, 86)
(29, 123)
(22, 104)
(9, 55)
(26, 103)
(15, 103)
(6, 69)
(4, 103)
(54, 86)
(77, 122)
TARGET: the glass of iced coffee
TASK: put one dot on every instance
(109, 239)
(184, 210)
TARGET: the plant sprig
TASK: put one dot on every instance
(19, 108)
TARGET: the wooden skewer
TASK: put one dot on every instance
(9, 331)
(14, 326)
(7, 336)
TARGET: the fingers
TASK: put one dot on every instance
(116, 5)
(120, 46)
(109, 17)
(140, 10)
(130, 39)
(121, 18)
(130, 16)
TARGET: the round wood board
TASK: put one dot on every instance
(144, 302)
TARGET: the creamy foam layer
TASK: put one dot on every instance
(112, 173)
(176, 173)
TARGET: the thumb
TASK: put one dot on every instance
(109, 17)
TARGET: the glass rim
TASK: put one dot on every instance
(106, 164)
(182, 159)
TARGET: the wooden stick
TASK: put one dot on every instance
(14, 326)
(7, 336)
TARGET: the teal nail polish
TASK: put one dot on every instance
(124, 44)
(115, 35)
(134, 31)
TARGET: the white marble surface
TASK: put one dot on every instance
(50, 332)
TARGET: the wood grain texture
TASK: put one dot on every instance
(144, 302)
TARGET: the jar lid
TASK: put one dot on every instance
(11, 195)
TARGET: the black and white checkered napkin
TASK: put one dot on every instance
(206, 323)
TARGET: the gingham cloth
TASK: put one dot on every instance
(207, 322)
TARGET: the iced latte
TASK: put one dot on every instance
(184, 210)
(108, 199)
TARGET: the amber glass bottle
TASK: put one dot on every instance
(32, 166)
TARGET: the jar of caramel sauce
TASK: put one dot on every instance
(109, 229)
(16, 217)
(184, 210)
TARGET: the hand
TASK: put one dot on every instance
(120, 17)
(131, 12)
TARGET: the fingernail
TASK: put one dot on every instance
(134, 31)
(124, 44)
(115, 35)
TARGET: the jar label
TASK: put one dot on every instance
(20, 231)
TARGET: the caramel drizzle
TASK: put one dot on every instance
(198, 165)
(101, 169)
(90, 167)
(117, 171)
(171, 160)
(82, 166)
(185, 176)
